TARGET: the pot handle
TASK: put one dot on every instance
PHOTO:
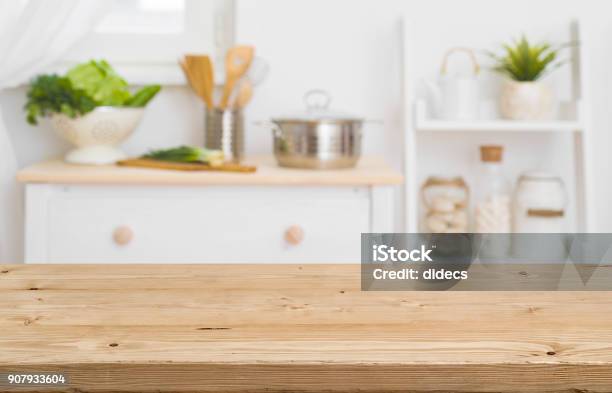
(468, 51)
(317, 99)
(264, 124)
(271, 125)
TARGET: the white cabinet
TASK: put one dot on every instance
(207, 219)
(187, 225)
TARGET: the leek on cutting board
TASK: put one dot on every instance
(188, 154)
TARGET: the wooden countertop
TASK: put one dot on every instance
(369, 171)
(228, 328)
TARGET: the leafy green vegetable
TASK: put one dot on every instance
(55, 94)
(525, 62)
(83, 88)
(101, 82)
(143, 96)
(188, 154)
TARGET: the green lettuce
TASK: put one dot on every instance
(100, 81)
(83, 88)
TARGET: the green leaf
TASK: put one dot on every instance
(143, 96)
(523, 61)
(100, 81)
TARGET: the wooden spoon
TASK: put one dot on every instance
(237, 62)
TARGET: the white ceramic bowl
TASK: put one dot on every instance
(98, 133)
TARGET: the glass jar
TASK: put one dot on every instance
(539, 203)
(492, 212)
(445, 202)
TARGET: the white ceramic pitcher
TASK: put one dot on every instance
(456, 97)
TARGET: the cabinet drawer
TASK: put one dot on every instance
(90, 225)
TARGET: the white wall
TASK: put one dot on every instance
(352, 48)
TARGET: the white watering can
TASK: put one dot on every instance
(456, 97)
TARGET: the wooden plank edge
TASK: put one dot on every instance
(190, 377)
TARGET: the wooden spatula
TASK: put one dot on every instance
(201, 70)
(194, 82)
(187, 74)
(209, 79)
(237, 62)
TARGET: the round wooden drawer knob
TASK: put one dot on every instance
(294, 235)
(123, 235)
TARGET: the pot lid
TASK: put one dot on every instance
(317, 109)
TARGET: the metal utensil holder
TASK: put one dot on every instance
(225, 132)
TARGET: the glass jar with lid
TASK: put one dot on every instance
(445, 201)
(539, 203)
(492, 212)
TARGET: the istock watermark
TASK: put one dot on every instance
(484, 262)
(384, 253)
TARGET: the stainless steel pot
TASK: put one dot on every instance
(318, 138)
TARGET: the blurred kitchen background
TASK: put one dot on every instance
(374, 58)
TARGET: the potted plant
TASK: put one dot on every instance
(523, 96)
(92, 107)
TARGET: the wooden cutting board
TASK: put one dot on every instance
(181, 166)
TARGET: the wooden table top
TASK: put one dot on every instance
(369, 171)
(229, 328)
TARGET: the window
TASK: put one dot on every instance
(143, 39)
(144, 17)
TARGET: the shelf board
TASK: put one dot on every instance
(425, 124)
(498, 125)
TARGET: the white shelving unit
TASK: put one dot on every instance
(573, 122)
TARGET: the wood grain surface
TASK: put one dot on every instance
(185, 166)
(369, 171)
(309, 328)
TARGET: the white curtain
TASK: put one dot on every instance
(33, 35)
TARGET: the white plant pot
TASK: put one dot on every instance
(97, 134)
(526, 101)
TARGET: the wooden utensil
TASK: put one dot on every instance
(191, 77)
(186, 72)
(237, 62)
(200, 67)
(209, 79)
(182, 166)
